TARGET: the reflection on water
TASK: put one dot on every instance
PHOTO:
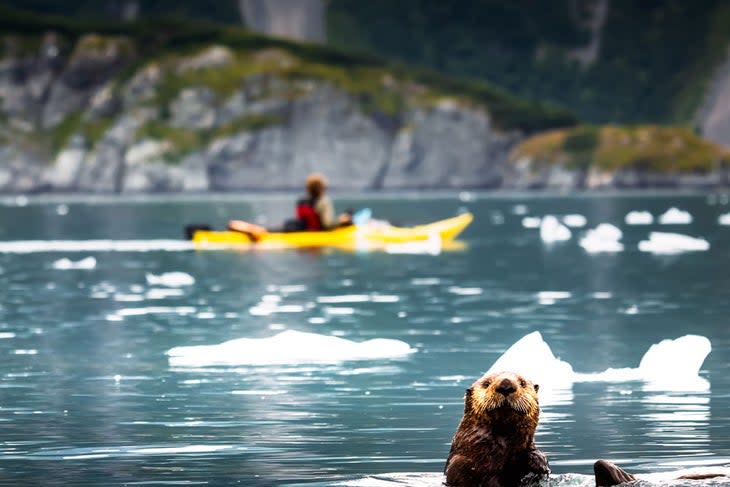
(88, 395)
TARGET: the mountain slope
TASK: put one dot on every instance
(608, 60)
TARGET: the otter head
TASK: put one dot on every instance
(503, 394)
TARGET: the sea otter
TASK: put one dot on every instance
(494, 444)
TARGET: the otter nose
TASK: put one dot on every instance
(506, 387)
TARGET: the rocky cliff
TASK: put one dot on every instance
(93, 114)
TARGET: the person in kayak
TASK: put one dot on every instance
(316, 211)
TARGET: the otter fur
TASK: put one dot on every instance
(494, 444)
(608, 474)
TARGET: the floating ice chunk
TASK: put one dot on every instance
(675, 359)
(287, 347)
(531, 222)
(551, 230)
(639, 218)
(575, 221)
(430, 246)
(170, 279)
(724, 219)
(542, 368)
(604, 238)
(519, 209)
(672, 243)
(670, 365)
(65, 263)
(675, 216)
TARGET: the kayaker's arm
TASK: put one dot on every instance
(326, 211)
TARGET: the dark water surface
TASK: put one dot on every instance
(87, 396)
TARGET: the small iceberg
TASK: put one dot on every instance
(672, 243)
(724, 219)
(639, 218)
(604, 238)
(287, 348)
(670, 364)
(551, 230)
(575, 221)
(65, 263)
(531, 222)
(170, 279)
(675, 216)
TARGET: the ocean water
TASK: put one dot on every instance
(90, 396)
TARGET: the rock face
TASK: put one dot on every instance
(121, 135)
(88, 116)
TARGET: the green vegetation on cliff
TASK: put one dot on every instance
(644, 147)
(652, 59)
(364, 75)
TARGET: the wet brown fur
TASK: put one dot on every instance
(494, 444)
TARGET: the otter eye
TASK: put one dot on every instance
(486, 382)
(523, 383)
(537, 387)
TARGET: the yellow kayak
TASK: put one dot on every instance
(373, 235)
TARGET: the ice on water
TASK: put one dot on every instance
(65, 263)
(672, 243)
(675, 216)
(170, 279)
(288, 347)
(551, 230)
(639, 218)
(604, 238)
(671, 364)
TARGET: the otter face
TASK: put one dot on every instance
(502, 390)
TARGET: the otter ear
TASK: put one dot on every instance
(537, 387)
(467, 399)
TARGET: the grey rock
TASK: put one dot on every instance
(194, 108)
(93, 63)
(447, 146)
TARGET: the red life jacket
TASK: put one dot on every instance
(308, 215)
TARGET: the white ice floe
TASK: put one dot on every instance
(669, 364)
(575, 221)
(672, 243)
(519, 209)
(170, 279)
(604, 238)
(65, 263)
(551, 230)
(430, 246)
(639, 218)
(287, 347)
(34, 246)
(724, 219)
(531, 222)
(675, 216)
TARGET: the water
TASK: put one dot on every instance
(88, 397)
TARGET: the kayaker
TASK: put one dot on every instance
(317, 211)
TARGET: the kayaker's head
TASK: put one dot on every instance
(316, 185)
